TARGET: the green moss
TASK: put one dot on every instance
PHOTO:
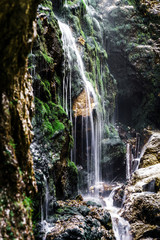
(57, 79)
(107, 131)
(47, 58)
(45, 85)
(12, 144)
(60, 211)
(87, 25)
(27, 202)
(47, 4)
(84, 5)
(72, 166)
(58, 126)
(51, 116)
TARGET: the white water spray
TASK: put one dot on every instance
(128, 162)
(73, 58)
(121, 227)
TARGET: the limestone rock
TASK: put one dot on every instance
(151, 155)
(142, 194)
(81, 105)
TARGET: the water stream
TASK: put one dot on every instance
(45, 226)
(128, 161)
(121, 227)
(90, 124)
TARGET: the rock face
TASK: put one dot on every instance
(113, 159)
(142, 194)
(17, 180)
(81, 106)
(132, 43)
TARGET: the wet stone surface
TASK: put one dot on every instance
(75, 219)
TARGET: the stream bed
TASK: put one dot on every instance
(121, 227)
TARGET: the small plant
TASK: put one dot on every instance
(72, 166)
(27, 203)
(47, 58)
(12, 144)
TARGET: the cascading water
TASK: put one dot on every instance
(133, 161)
(128, 162)
(121, 227)
(45, 226)
(83, 109)
(83, 112)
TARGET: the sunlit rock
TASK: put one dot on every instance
(142, 194)
(152, 153)
(81, 106)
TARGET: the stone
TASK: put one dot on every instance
(142, 193)
(81, 106)
(151, 155)
(81, 40)
(90, 223)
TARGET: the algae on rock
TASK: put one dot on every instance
(17, 181)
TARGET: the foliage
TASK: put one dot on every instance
(72, 166)
(12, 144)
(47, 58)
(51, 117)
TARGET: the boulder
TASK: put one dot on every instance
(78, 221)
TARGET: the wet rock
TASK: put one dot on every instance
(90, 223)
(118, 197)
(84, 210)
(150, 187)
(144, 215)
(113, 159)
(80, 105)
(79, 198)
(91, 203)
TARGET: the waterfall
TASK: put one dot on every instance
(128, 161)
(46, 197)
(132, 162)
(45, 226)
(142, 153)
(90, 123)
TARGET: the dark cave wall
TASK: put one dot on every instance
(17, 181)
(132, 42)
